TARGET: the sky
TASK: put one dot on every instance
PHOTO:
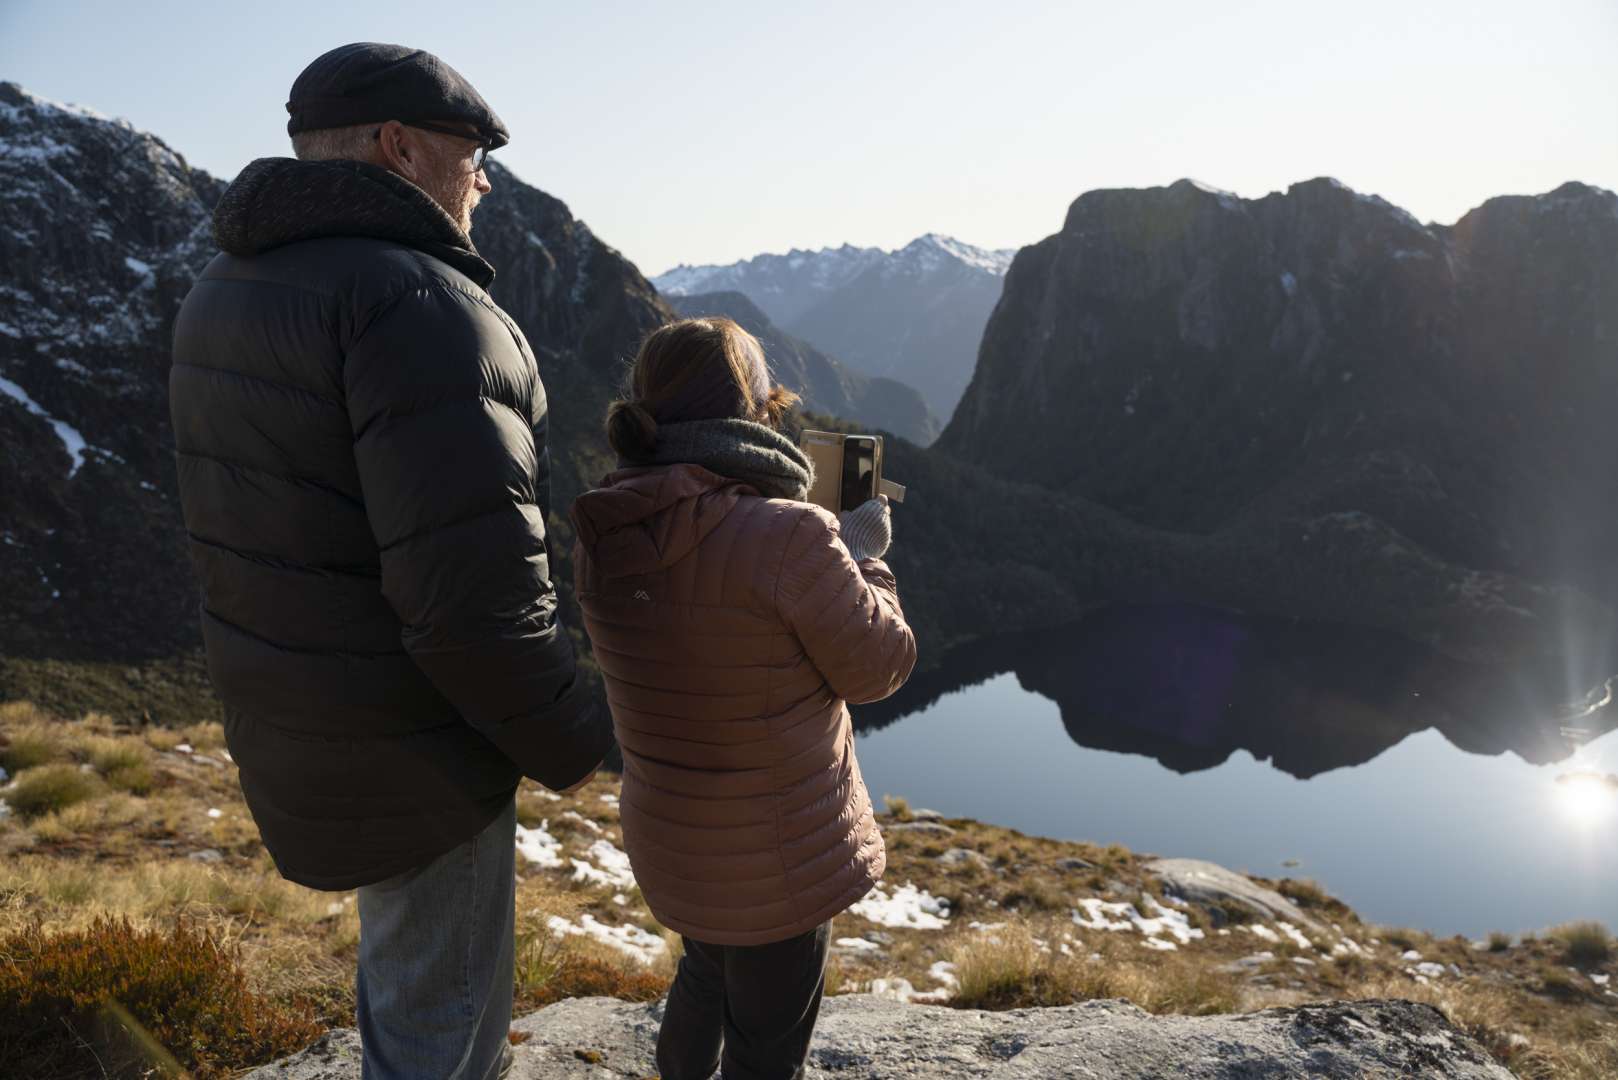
(710, 132)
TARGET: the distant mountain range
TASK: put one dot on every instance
(1308, 406)
(826, 385)
(915, 315)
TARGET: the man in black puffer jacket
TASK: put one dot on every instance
(360, 435)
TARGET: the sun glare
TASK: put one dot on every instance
(1587, 798)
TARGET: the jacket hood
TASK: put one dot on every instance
(279, 201)
(642, 520)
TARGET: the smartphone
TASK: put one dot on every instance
(858, 480)
(848, 470)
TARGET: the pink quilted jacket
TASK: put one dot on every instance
(732, 631)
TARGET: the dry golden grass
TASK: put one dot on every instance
(1585, 944)
(1012, 969)
(30, 738)
(1537, 1039)
(45, 789)
(126, 850)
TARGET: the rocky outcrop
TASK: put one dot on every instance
(826, 385)
(880, 1039)
(1215, 889)
(915, 314)
(101, 232)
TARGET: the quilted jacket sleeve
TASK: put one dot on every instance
(439, 395)
(846, 614)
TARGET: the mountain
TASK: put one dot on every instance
(1315, 369)
(825, 385)
(915, 314)
(1343, 416)
(104, 229)
(101, 233)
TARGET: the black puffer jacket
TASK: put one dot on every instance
(360, 435)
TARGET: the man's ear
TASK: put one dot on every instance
(399, 150)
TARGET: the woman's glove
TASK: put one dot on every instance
(867, 530)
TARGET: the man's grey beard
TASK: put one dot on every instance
(451, 192)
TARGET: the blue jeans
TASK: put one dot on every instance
(435, 963)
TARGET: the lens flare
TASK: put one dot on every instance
(1587, 798)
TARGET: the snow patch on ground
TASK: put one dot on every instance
(1295, 935)
(858, 944)
(1100, 914)
(611, 867)
(1261, 931)
(908, 906)
(643, 945)
(575, 816)
(539, 847)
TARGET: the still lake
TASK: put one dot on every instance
(1422, 792)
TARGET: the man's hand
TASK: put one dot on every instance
(581, 785)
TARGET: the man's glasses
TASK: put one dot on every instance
(480, 152)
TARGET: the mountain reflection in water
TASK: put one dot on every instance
(1189, 686)
(1250, 742)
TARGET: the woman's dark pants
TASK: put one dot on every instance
(759, 1001)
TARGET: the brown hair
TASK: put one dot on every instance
(694, 369)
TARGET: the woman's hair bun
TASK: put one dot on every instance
(631, 430)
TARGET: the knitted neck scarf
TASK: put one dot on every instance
(738, 449)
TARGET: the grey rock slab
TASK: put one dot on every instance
(870, 1038)
(956, 856)
(1198, 881)
(924, 828)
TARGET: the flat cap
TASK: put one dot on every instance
(367, 83)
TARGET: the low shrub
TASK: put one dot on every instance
(113, 1000)
(1585, 944)
(49, 788)
(1499, 941)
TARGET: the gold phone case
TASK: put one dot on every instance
(825, 450)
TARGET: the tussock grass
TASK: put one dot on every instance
(1403, 938)
(1010, 970)
(162, 738)
(110, 753)
(1499, 941)
(1584, 944)
(550, 968)
(897, 806)
(1531, 1036)
(29, 737)
(1595, 1058)
(47, 788)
